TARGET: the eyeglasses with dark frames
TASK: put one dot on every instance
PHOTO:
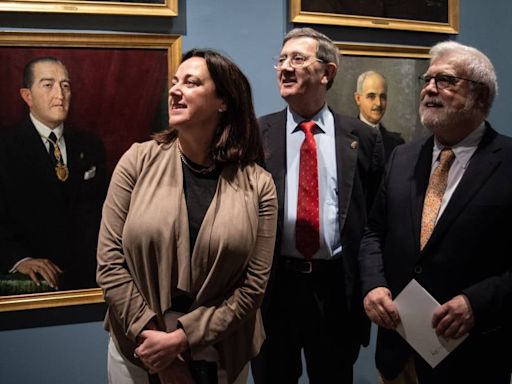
(443, 81)
(295, 61)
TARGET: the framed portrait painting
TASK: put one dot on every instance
(400, 65)
(120, 7)
(440, 16)
(119, 86)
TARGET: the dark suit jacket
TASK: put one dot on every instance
(360, 167)
(390, 140)
(41, 217)
(468, 252)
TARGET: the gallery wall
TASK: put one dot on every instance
(68, 345)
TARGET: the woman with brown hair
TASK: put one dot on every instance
(187, 236)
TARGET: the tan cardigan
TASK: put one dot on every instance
(144, 256)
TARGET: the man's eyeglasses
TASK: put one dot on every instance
(443, 81)
(295, 61)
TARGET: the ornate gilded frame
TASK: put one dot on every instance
(172, 44)
(297, 15)
(168, 8)
(383, 50)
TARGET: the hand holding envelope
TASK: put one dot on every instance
(454, 318)
(381, 309)
(422, 317)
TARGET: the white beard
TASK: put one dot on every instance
(436, 119)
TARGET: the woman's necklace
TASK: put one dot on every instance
(192, 167)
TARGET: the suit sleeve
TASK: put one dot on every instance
(208, 325)
(376, 171)
(491, 300)
(370, 254)
(119, 289)
(11, 243)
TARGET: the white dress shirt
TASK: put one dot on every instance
(463, 151)
(324, 133)
(44, 132)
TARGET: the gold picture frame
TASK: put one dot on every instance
(142, 8)
(327, 14)
(168, 46)
(400, 65)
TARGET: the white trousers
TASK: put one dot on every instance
(123, 371)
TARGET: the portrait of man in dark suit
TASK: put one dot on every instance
(371, 97)
(442, 218)
(53, 180)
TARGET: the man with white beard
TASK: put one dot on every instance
(442, 217)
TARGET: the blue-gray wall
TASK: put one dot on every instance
(69, 345)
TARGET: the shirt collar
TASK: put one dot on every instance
(44, 131)
(293, 119)
(361, 117)
(464, 149)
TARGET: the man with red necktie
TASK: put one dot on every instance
(326, 168)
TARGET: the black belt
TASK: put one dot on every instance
(303, 266)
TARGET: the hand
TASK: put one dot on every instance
(158, 349)
(44, 267)
(176, 372)
(380, 308)
(454, 318)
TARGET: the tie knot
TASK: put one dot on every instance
(53, 137)
(446, 157)
(307, 126)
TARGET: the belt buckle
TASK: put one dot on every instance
(306, 266)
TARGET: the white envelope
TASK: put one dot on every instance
(416, 307)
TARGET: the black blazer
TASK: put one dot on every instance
(359, 157)
(41, 217)
(390, 140)
(468, 252)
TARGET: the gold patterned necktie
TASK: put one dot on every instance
(434, 196)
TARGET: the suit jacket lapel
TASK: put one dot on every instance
(34, 151)
(181, 232)
(480, 168)
(346, 164)
(73, 159)
(275, 132)
(34, 154)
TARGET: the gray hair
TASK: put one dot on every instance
(476, 65)
(363, 76)
(326, 49)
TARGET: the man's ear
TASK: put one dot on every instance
(26, 95)
(357, 98)
(482, 97)
(329, 73)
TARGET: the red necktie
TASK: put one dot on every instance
(307, 227)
